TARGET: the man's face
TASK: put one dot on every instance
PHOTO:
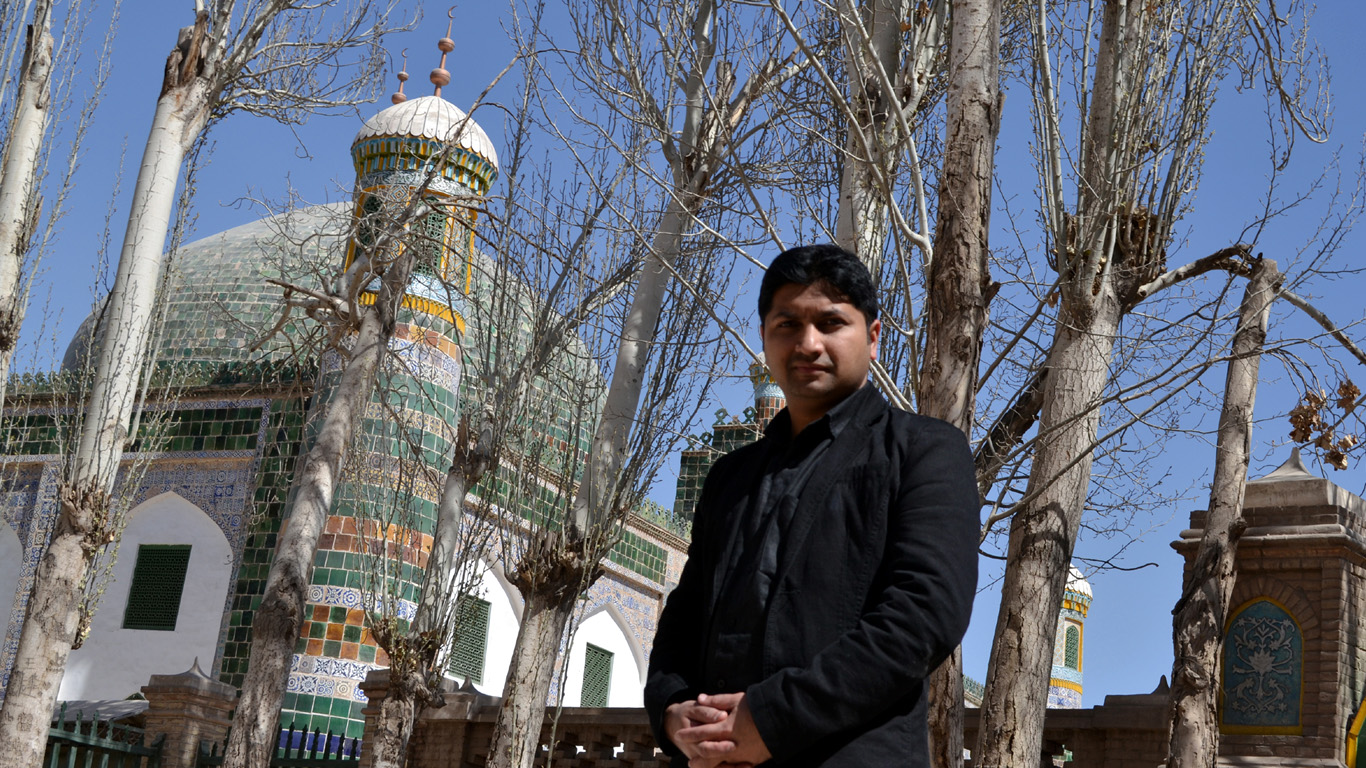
(817, 345)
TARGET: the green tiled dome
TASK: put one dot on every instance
(220, 302)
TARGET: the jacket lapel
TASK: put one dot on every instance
(729, 529)
(848, 448)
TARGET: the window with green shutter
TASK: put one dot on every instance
(597, 676)
(1072, 649)
(158, 581)
(472, 626)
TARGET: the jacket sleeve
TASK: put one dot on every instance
(916, 616)
(675, 668)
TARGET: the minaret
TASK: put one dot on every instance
(416, 141)
(1064, 685)
(768, 398)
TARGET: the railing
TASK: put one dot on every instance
(89, 742)
(298, 749)
(459, 735)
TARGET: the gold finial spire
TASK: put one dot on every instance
(440, 77)
(400, 97)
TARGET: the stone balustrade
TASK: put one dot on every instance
(458, 734)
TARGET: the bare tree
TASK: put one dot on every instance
(665, 72)
(1199, 616)
(235, 57)
(1143, 106)
(19, 177)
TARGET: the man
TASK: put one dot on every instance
(833, 563)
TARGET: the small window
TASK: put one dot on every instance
(597, 676)
(429, 237)
(1072, 650)
(158, 581)
(471, 643)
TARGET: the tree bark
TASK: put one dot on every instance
(1042, 535)
(412, 685)
(959, 284)
(550, 578)
(277, 622)
(1199, 616)
(18, 202)
(84, 523)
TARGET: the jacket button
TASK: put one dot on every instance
(721, 684)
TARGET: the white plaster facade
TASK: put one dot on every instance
(505, 615)
(11, 564)
(115, 662)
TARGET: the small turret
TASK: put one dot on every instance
(1064, 685)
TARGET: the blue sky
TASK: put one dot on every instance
(1127, 643)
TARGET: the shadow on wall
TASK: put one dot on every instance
(163, 606)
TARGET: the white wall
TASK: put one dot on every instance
(11, 567)
(606, 630)
(115, 662)
(505, 611)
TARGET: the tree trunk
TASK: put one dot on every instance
(410, 690)
(1042, 534)
(84, 524)
(550, 578)
(597, 493)
(277, 622)
(959, 284)
(875, 139)
(1199, 616)
(387, 742)
(538, 640)
(18, 202)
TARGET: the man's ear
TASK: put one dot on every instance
(874, 332)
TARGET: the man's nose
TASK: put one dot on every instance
(809, 340)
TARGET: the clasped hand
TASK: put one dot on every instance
(716, 732)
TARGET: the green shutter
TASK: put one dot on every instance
(472, 639)
(158, 581)
(1072, 651)
(597, 676)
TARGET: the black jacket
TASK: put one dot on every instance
(873, 590)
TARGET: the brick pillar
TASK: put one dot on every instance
(187, 708)
(375, 687)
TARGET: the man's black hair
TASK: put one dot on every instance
(830, 265)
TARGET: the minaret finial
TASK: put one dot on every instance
(440, 77)
(399, 98)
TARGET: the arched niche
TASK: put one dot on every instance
(114, 661)
(505, 610)
(606, 628)
(1263, 670)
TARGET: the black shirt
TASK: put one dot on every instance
(788, 463)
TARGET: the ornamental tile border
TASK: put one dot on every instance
(348, 597)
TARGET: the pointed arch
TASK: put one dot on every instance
(116, 661)
(505, 612)
(605, 628)
(1263, 670)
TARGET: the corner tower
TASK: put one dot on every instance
(1064, 684)
(425, 147)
